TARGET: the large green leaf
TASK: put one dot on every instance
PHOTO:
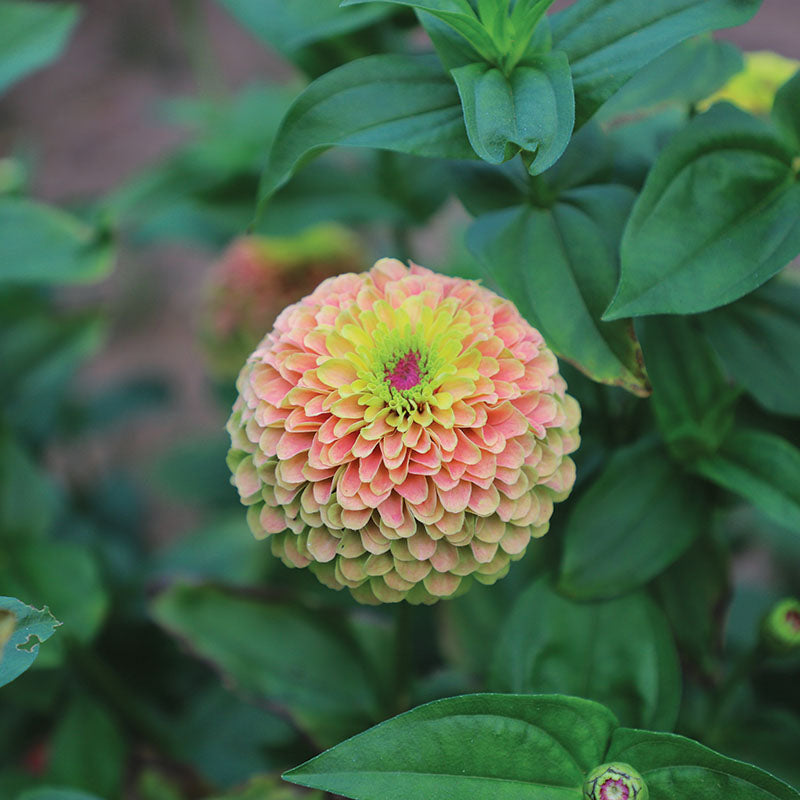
(761, 467)
(756, 339)
(24, 628)
(283, 654)
(39, 244)
(392, 102)
(65, 577)
(532, 110)
(618, 652)
(684, 75)
(786, 111)
(633, 522)
(559, 266)
(290, 26)
(718, 216)
(31, 36)
(674, 767)
(508, 747)
(607, 41)
(692, 401)
(55, 794)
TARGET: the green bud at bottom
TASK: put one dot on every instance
(780, 630)
(615, 781)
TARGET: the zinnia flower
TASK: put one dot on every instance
(257, 277)
(400, 433)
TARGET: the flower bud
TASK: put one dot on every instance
(615, 781)
(780, 630)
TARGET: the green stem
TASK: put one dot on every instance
(741, 671)
(198, 45)
(401, 237)
(403, 658)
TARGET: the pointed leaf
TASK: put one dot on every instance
(24, 628)
(607, 41)
(618, 652)
(756, 339)
(31, 36)
(508, 747)
(39, 244)
(559, 266)
(636, 519)
(391, 102)
(718, 216)
(278, 653)
(674, 767)
(692, 401)
(763, 468)
(532, 110)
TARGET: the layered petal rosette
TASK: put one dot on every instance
(402, 432)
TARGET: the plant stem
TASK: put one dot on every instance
(198, 45)
(403, 633)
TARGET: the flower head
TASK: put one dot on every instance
(753, 89)
(257, 277)
(781, 627)
(400, 433)
(615, 782)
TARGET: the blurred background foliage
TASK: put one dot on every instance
(133, 140)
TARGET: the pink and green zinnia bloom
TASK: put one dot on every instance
(615, 782)
(401, 433)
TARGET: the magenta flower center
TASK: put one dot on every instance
(614, 789)
(406, 373)
(793, 618)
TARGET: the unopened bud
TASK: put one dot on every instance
(780, 630)
(615, 781)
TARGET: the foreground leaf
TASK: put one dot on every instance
(762, 468)
(514, 747)
(607, 41)
(618, 652)
(55, 794)
(786, 111)
(559, 265)
(23, 629)
(277, 653)
(39, 244)
(633, 522)
(674, 767)
(756, 339)
(391, 102)
(718, 216)
(532, 110)
(31, 36)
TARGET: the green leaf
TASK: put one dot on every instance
(40, 244)
(459, 15)
(674, 767)
(24, 629)
(634, 521)
(559, 266)
(718, 216)
(762, 468)
(509, 747)
(391, 102)
(87, 749)
(37, 570)
(31, 36)
(692, 401)
(532, 110)
(786, 111)
(276, 652)
(288, 27)
(756, 339)
(618, 652)
(683, 76)
(607, 41)
(692, 593)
